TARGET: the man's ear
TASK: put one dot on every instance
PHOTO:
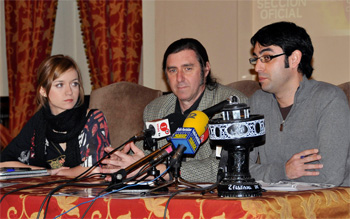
(43, 92)
(206, 69)
(295, 58)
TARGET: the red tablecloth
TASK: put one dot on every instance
(322, 203)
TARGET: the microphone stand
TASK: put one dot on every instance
(151, 144)
(119, 177)
(177, 179)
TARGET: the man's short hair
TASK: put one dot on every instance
(289, 37)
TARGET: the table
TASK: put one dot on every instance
(322, 203)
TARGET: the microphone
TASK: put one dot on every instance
(156, 129)
(194, 126)
(161, 128)
(175, 120)
(161, 155)
(152, 158)
(177, 155)
(211, 111)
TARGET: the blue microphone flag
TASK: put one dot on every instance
(187, 137)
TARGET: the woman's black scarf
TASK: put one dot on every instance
(64, 127)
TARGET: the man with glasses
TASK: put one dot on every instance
(307, 122)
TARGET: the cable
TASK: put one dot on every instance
(113, 192)
(141, 172)
(108, 188)
(77, 178)
(60, 187)
(31, 186)
(49, 195)
(185, 190)
(173, 195)
(204, 190)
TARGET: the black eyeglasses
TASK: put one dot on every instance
(263, 58)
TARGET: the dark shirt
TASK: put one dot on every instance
(92, 140)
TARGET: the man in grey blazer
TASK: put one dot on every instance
(188, 73)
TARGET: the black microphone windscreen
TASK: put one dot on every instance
(176, 120)
(211, 111)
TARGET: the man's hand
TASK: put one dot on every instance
(120, 159)
(297, 165)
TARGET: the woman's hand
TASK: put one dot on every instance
(57, 171)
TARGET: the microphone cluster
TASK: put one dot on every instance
(185, 140)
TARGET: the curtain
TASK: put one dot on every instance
(5, 136)
(29, 29)
(112, 33)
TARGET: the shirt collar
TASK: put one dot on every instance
(193, 107)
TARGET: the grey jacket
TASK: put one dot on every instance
(203, 167)
(319, 118)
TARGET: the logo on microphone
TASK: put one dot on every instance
(164, 127)
(192, 115)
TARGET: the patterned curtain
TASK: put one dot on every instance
(5, 136)
(29, 28)
(112, 33)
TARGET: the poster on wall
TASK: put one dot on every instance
(326, 17)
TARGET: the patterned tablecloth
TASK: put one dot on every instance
(72, 202)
